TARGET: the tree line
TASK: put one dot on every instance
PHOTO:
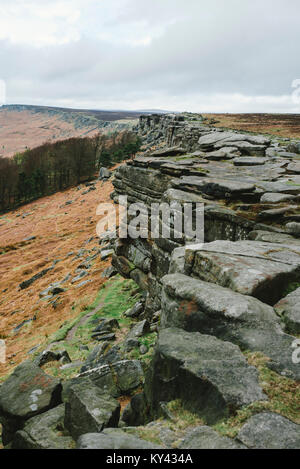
(53, 167)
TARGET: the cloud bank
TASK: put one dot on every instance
(217, 56)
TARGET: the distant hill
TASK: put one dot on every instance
(26, 126)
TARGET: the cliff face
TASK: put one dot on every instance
(229, 291)
(248, 185)
(213, 339)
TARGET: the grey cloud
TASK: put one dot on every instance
(225, 47)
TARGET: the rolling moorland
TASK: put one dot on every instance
(74, 309)
(23, 127)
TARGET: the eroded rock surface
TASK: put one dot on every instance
(210, 376)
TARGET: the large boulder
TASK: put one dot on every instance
(113, 439)
(195, 305)
(89, 411)
(26, 393)
(270, 431)
(262, 270)
(211, 377)
(207, 438)
(44, 431)
(289, 309)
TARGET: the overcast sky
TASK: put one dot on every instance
(185, 55)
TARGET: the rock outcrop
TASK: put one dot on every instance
(215, 296)
(231, 287)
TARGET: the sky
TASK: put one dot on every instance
(176, 55)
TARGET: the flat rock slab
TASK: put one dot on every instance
(116, 379)
(244, 161)
(284, 186)
(294, 168)
(207, 438)
(212, 377)
(246, 148)
(44, 432)
(89, 411)
(275, 238)
(276, 213)
(26, 393)
(262, 270)
(275, 198)
(270, 431)
(218, 139)
(289, 309)
(294, 229)
(113, 439)
(195, 305)
(214, 187)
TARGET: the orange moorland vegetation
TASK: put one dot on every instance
(281, 125)
(58, 229)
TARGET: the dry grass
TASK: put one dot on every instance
(281, 125)
(59, 230)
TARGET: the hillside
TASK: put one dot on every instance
(23, 127)
(191, 339)
(51, 232)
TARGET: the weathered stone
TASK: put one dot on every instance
(136, 412)
(205, 307)
(106, 253)
(294, 168)
(104, 173)
(270, 431)
(26, 393)
(289, 309)
(50, 356)
(207, 438)
(215, 187)
(293, 229)
(30, 281)
(246, 148)
(269, 237)
(102, 354)
(244, 161)
(273, 198)
(140, 329)
(117, 378)
(113, 439)
(211, 377)
(276, 213)
(294, 147)
(109, 272)
(44, 432)
(143, 349)
(252, 268)
(174, 151)
(107, 324)
(130, 344)
(135, 311)
(100, 336)
(222, 154)
(88, 410)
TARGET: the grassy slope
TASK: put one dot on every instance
(59, 229)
